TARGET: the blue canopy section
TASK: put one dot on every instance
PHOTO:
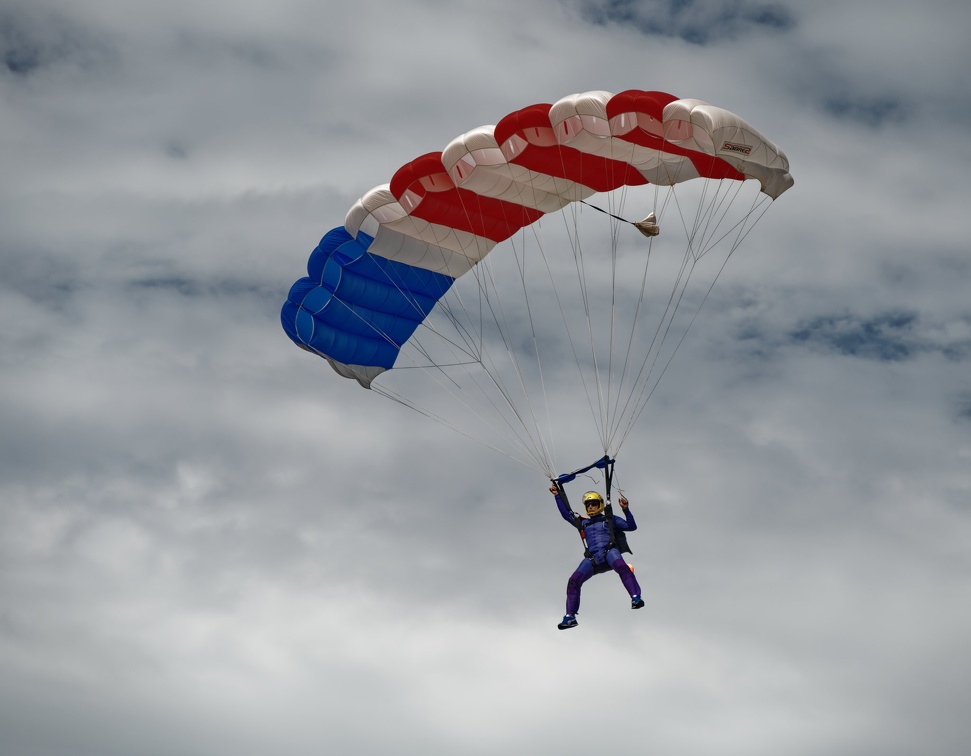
(357, 308)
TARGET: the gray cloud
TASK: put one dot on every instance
(889, 337)
(36, 40)
(697, 22)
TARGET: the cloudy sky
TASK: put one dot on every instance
(210, 543)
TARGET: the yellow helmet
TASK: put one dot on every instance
(595, 499)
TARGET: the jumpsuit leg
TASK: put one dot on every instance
(616, 561)
(581, 575)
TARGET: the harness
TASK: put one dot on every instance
(618, 539)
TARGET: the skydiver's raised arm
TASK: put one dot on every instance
(562, 505)
(627, 523)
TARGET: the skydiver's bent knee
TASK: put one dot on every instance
(626, 577)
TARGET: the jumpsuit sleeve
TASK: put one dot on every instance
(565, 513)
(627, 524)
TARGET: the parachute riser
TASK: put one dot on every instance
(608, 477)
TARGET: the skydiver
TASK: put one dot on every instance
(603, 549)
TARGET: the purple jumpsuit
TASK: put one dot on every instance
(596, 531)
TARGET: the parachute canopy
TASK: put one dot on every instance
(373, 282)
